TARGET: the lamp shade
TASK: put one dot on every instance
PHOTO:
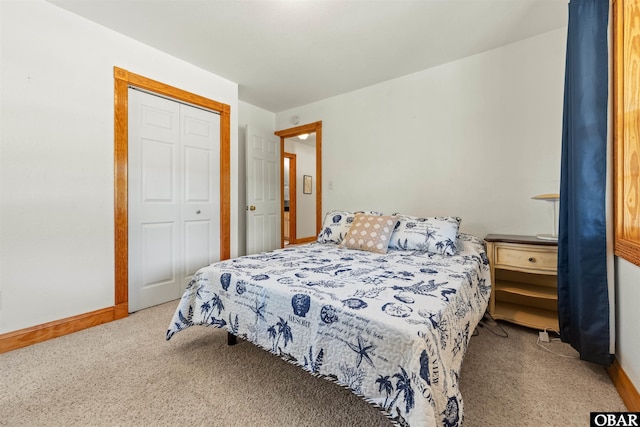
(549, 196)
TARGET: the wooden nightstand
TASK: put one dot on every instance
(524, 276)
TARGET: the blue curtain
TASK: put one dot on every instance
(583, 297)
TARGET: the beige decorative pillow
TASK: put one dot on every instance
(370, 233)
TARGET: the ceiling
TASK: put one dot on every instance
(287, 53)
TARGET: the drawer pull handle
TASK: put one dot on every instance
(532, 259)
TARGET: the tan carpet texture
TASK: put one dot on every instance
(124, 373)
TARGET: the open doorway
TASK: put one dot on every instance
(302, 208)
(311, 193)
(289, 196)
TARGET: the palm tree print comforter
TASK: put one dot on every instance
(393, 328)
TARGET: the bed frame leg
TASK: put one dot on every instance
(231, 339)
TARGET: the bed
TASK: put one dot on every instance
(393, 327)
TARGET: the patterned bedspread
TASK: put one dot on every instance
(393, 328)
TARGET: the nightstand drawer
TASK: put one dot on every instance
(526, 258)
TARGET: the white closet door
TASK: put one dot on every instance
(200, 193)
(173, 196)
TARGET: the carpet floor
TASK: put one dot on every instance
(124, 373)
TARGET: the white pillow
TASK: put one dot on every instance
(336, 224)
(438, 235)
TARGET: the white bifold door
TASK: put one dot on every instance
(174, 202)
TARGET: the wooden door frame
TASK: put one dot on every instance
(290, 133)
(124, 79)
(292, 197)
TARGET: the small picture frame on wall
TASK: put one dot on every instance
(306, 184)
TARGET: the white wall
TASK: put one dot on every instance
(305, 152)
(56, 157)
(261, 121)
(476, 138)
(628, 319)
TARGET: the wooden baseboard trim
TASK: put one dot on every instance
(57, 328)
(625, 387)
(120, 311)
(306, 240)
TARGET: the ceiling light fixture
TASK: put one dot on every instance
(303, 136)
